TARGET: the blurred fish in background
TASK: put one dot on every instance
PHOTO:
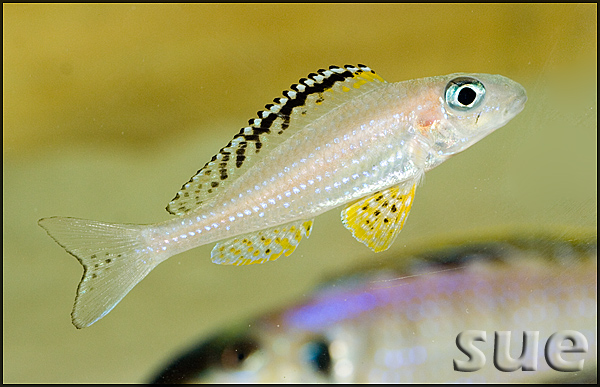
(398, 321)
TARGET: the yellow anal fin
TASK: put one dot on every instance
(262, 246)
(377, 220)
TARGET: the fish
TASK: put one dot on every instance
(340, 136)
(397, 320)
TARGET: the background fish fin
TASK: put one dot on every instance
(306, 101)
(377, 220)
(262, 246)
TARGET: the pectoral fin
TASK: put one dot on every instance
(377, 220)
(262, 246)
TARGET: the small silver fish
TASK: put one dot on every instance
(397, 321)
(342, 136)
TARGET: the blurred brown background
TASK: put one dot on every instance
(108, 109)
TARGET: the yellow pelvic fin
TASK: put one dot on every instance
(306, 101)
(262, 246)
(377, 220)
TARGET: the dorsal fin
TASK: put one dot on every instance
(306, 101)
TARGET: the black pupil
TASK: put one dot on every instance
(466, 96)
(320, 358)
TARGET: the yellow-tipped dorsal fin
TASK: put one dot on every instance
(306, 101)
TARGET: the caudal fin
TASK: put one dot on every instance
(115, 257)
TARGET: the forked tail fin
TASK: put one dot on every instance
(115, 257)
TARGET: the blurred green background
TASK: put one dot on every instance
(109, 109)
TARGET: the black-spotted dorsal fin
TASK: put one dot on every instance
(306, 101)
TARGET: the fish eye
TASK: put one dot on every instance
(234, 355)
(317, 355)
(464, 93)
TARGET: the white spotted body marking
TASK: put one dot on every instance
(341, 136)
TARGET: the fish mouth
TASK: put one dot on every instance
(516, 104)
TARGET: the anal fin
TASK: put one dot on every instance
(262, 246)
(377, 220)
